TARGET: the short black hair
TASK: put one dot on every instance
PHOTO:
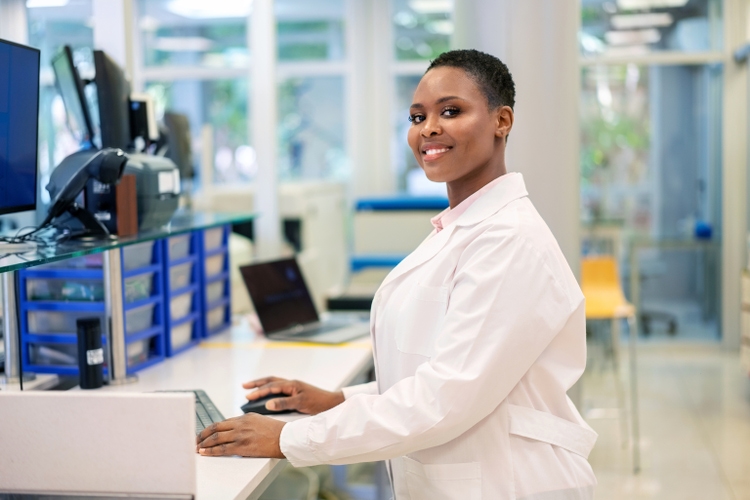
(489, 73)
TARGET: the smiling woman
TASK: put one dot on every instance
(479, 333)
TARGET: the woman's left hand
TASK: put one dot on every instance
(250, 435)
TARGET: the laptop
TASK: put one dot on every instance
(92, 443)
(286, 310)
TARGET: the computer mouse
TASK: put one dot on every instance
(259, 406)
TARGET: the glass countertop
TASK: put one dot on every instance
(182, 222)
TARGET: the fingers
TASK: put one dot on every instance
(217, 439)
(222, 450)
(280, 404)
(260, 382)
(279, 386)
(226, 425)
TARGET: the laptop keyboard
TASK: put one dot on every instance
(206, 412)
(317, 330)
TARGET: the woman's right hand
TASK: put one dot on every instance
(294, 395)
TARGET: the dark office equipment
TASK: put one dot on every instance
(70, 86)
(206, 412)
(113, 95)
(158, 188)
(143, 118)
(259, 406)
(179, 148)
(350, 303)
(90, 353)
(19, 109)
(70, 178)
(286, 309)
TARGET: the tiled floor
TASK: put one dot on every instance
(695, 425)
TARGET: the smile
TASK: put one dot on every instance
(434, 153)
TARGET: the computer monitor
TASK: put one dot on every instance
(179, 147)
(111, 110)
(19, 111)
(70, 87)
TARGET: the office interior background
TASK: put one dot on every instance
(631, 132)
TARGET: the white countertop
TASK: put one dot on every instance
(219, 366)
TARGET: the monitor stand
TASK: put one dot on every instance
(93, 230)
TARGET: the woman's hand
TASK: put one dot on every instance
(296, 395)
(250, 435)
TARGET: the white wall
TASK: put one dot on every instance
(538, 40)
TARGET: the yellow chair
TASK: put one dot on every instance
(600, 283)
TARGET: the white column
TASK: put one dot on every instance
(734, 178)
(113, 31)
(538, 40)
(264, 112)
(370, 91)
(14, 25)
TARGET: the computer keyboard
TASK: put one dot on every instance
(206, 412)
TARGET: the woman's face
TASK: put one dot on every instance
(454, 136)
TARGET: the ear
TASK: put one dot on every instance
(504, 119)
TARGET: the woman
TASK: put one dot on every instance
(477, 335)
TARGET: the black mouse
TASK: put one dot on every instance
(259, 406)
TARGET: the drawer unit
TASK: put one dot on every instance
(215, 290)
(182, 283)
(54, 296)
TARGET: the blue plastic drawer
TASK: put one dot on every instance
(138, 255)
(182, 334)
(139, 319)
(213, 238)
(214, 265)
(180, 305)
(53, 354)
(57, 322)
(64, 290)
(215, 291)
(179, 276)
(139, 287)
(179, 247)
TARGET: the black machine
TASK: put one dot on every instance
(91, 170)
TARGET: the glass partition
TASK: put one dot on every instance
(651, 166)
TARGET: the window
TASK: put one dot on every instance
(194, 33)
(311, 54)
(49, 29)
(638, 27)
(421, 31)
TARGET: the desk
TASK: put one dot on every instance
(221, 364)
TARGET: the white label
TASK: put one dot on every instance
(166, 182)
(95, 357)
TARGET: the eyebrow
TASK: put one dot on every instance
(439, 101)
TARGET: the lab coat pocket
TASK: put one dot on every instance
(443, 481)
(420, 318)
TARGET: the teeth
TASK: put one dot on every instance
(435, 151)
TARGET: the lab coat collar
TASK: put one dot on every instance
(511, 188)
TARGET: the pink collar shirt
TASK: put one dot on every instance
(449, 215)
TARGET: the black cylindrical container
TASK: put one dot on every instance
(90, 353)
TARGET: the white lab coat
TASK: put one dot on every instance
(477, 336)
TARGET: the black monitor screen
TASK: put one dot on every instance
(279, 294)
(71, 90)
(19, 111)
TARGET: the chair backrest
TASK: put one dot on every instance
(600, 271)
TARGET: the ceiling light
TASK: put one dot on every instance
(431, 6)
(634, 37)
(650, 4)
(33, 4)
(632, 21)
(215, 9)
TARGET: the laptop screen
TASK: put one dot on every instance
(279, 294)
